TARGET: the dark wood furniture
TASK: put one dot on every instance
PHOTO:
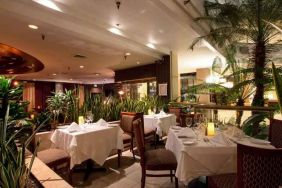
(153, 160)
(256, 167)
(177, 112)
(275, 133)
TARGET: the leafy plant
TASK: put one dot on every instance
(245, 21)
(14, 172)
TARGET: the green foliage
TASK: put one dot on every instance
(109, 108)
(278, 85)
(13, 170)
(65, 104)
(249, 126)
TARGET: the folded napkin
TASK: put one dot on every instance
(221, 139)
(102, 122)
(186, 133)
(74, 127)
(162, 112)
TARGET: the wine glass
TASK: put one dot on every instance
(189, 121)
(88, 117)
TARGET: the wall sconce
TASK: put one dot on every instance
(210, 129)
(121, 92)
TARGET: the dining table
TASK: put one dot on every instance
(160, 122)
(91, 141)
(199, 155)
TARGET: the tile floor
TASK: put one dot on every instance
(127, 176)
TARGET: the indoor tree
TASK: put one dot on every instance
(245, 21)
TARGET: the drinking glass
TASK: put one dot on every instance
(88, 117)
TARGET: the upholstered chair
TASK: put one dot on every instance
(153, 160)
(256, 167)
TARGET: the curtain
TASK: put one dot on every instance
(29, 95)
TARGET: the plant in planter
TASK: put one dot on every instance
(14, 173)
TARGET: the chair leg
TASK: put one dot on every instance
(155, 140)
(132, 148)
(119, 157)
(171, 176)
(143, 178)
(176, 182)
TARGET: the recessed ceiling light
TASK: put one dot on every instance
(150, 45)
(138, 62)
(70, 79)
(54, 74)
(97, 74)
(115, 31)
(127, 53)
(32, 26)
(48, 3)
(81, 66)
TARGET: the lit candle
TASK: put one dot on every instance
(149, 111)
(210, 129)
(80, 120)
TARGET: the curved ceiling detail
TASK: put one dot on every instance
(15, 61)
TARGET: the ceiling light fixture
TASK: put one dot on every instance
(115, 31)
(48, 3)
(127, 53)
(81, 66)
(54, 74)
(97, 74)
(150, 45)
(138, 62)
(33, 26)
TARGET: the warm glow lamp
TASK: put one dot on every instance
(210, 129)
(80, 120)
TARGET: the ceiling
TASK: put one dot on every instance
(83, 28)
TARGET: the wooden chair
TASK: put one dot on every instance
(177, 112)
(153, 160)
(256, 167)
(56, 159)
(275, 133)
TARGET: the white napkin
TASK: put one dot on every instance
(102, 122)
(221, 139)
(73, 127)
(162, 112)
(187, 133)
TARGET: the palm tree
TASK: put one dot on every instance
(245, 22)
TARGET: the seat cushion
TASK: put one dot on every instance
(222, 181)
(160, 159)
(126, 137)
(148, 131)
(51, 155)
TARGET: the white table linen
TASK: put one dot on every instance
(203, 158)
(93, 142)
(160, 122)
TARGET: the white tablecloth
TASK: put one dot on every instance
(93, 142)
(203, 158)
(161, 122)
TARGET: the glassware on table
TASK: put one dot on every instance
(189, 121)
(88, 117)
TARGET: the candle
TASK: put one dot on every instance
(149, 111)
(80, 120)
(210, 129)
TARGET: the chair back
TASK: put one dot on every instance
(140, 139)
(127, 118)
(258, 167)
(275, 133)
(176, 111)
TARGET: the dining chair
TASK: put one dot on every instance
(149, 133)
(126, 124)
(56, 159)
(256, 167)
(275, 133)
(177, 112)
(153, 160)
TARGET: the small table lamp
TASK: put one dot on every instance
(80, 120)
(210, 129)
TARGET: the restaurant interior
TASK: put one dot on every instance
(141, 93)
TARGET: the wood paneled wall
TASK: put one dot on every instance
(42, 91)
(159, 70)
